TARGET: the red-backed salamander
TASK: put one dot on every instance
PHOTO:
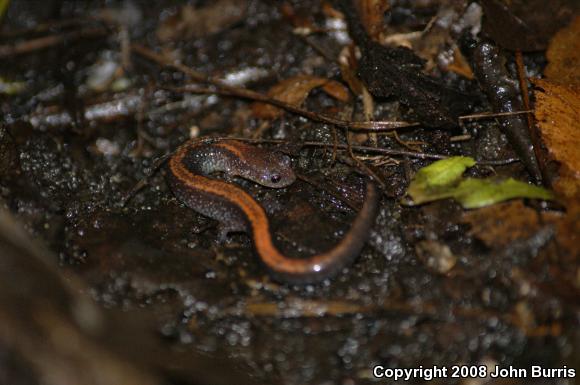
(188, 170)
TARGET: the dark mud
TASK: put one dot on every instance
(156, 259)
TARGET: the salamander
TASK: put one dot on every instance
(188, 177)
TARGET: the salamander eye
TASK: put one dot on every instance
(275, 178)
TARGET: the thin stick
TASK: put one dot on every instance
(487, 115)
(374, 125)
(221, 88)
(40, 43)
(377, 150)
(361, 165)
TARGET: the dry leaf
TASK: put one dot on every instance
(348, 66)
(504, 223)
(498, 226)
(564, 55)
(350, 78)
(329, 11)
(298, 21)
(568, 233)
(294, 91)
(558, 114)
(459, 65)
(192, 22)
(525, 24)
(437, 43)
(372, 15)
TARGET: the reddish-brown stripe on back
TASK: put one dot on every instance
(292, 270)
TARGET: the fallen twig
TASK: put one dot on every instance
(221, 88)
(378, 150)
(40, 43)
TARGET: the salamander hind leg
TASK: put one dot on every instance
(230, 218)
(226, 228)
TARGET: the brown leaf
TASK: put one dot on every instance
(192, 22)
(459, 65)
(372, 14)
(501, 224)
(294, 91)
(564, 55)
(297, 20)
(558, 114)
(525, 24)
(348, 66)
(329, 11)
(436, 44)
(350, 78)
(336, 90)
(568, 232)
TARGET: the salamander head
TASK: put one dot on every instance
(265, 167)
(272, 169)
(262, 166)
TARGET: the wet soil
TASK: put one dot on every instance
(65, 179)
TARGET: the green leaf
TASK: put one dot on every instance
(3, 7)
(443, 172)
(442, 180)
(10, 87)
(474, 193)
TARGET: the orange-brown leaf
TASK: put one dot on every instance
(459, 65)
(564, 55)
(501, 224)
(336, 90)
(294, 91)
(192, 22)
(297, 20)
(568, 232)
(329, 11)
(372, 15)
(558, 114)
